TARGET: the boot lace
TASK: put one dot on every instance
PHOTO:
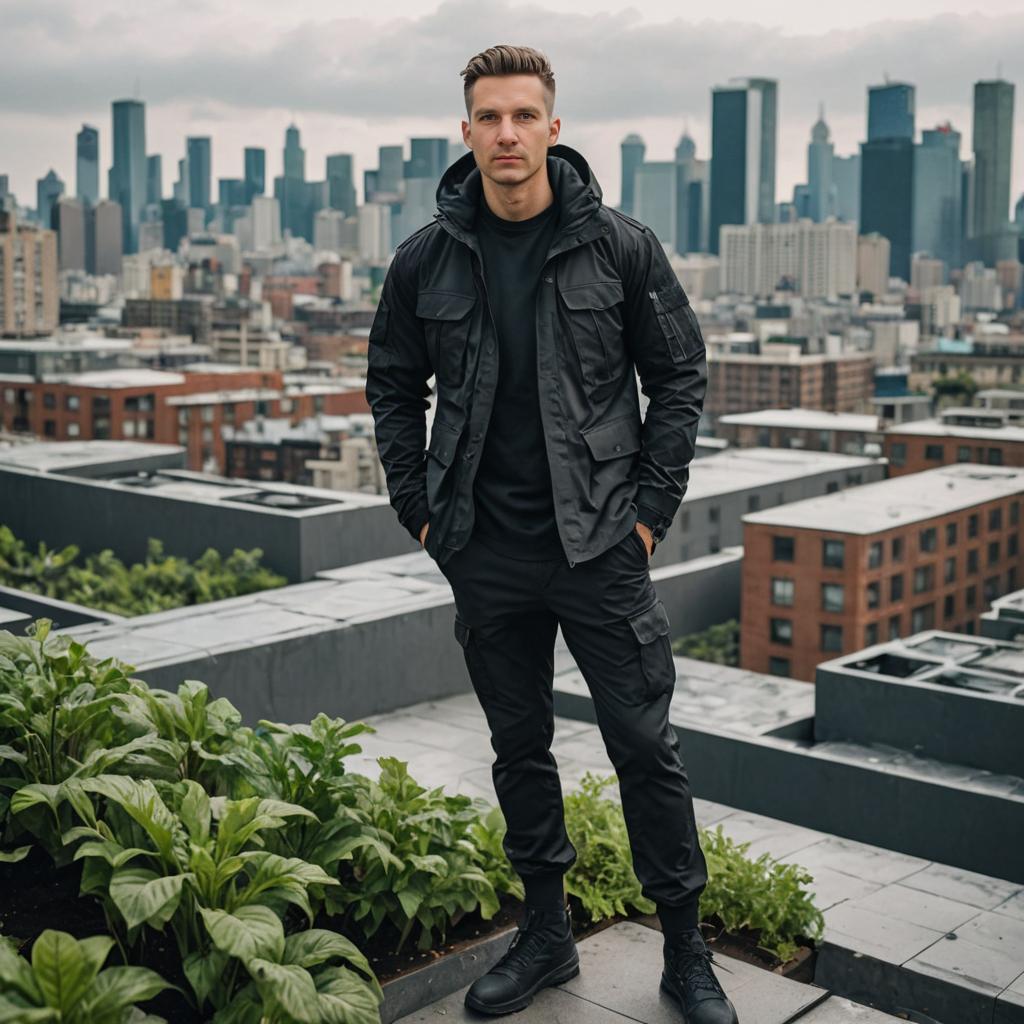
(694, 967)
(525, 944)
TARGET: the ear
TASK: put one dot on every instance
(466, 133)
(553, 129)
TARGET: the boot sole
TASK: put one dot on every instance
(556, 976)
(667, 986)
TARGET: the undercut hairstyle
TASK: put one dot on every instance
(509, 60)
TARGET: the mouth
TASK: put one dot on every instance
(507, 159)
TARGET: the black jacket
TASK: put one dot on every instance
(608, 301)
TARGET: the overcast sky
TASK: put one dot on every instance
(354, 76)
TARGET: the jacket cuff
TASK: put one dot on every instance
(651, 516)
(415, 520)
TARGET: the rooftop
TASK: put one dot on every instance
(739, 469)
(889, 504)
(803, 419)
(227, 395)
(937, 428)
(118, 378)
(55, 456)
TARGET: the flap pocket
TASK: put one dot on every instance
(443, 440)
(433, 305)
(669, 297)
(650, 624)
(593, 295)
(613, 438)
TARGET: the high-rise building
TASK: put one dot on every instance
(993, 146)
(632, 149)
(743, 134)
(87, 164)
(154, 179)
(109, 233)
(428, 158)
(294, 155)
(887, 197)
(230, 192)
(48, 191)
(390, 169)
(688, 174)
(846, 180)
(127, 180)
(198, 150)
(255, 172)
(29, 296)
(891, 111)
(266, 223)
(873, 256)
(654, 201)
(937, 186)
(341, 183)
(820, 160)
(70, 218)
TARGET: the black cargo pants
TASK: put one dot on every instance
(507, 612)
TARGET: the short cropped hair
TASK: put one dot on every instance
(509, 60)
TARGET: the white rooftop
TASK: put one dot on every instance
(66, 343)
(936, 428)
(739, 469)
(888, 504)
(227, 395)
(804, 419)
(118, 378)
(53, 456)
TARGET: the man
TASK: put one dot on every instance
(542, 494)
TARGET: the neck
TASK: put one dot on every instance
(520, 201)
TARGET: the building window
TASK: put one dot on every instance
(995, 518)
(779, 667)
(972, 525)
(922, 617)
(971, 596)
(898, 453)
(782, 631)
(871, 634)
(831, 637)
(949, 572)
(128, 428)
(207, 434)
(831, 487)
(927, 540)
(1011, 579)
(783, 549)
(963, 453)
(995, 456)
(832, 554)
(714, 514)
(71, 403)
(1011, 545)
(183, 437)
(894, 627)
(714, 544)
(782, 591)
(1014, 513)
(753, 502)
(286, 405)
(933, 452)
(74, 430)
(832, 597)
(972, 560)
(924, 578)
(50, 428)
(49, 400)
(874, 594)
(896, 588)
(896, 547)
(183, 417)
(875, 555)
(950, 534)
(207, 414)
(993, 552)
(990, 589)
(948, 607)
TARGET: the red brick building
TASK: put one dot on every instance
(925, 444)
(836, 573)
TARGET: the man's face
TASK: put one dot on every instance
(509, 131)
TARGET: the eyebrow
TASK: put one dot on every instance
(490, 110)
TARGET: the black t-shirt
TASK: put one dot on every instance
(514, 508)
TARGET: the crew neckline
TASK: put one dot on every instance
(515, 227)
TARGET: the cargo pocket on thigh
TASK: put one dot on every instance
(651, 628)
(478, 674)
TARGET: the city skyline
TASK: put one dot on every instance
(594, 119)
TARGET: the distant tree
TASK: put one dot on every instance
(719, 644)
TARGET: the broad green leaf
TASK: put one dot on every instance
(195, 811)
(289, 987)
(116, 989)
(315, 946)
(253, 931)
(204, 972)
(346, 998)
(16, 973)
(144, 897)
(64, 968)
(13, 856)
(14, 1013)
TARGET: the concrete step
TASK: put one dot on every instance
(620, 969)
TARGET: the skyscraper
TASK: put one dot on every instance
(341, 189)
(633, 150)
(428, 158)
(48, 191)
(937, 187)
(891, 111)
(993, 146)
(294, 155)
(390, 169)
(87, 164)
(127, 179)
(197, 149)
(154, 178)
(654, 201)
(255, 173)
(686, 172)
(743, 133)
(820, 158)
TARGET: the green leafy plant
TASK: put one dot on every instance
(414, 858)
(602, 877)
(64, 983)
(160, 582)
(719, 644)
(764, 895)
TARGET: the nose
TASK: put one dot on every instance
(508, 131)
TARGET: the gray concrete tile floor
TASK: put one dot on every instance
(875, 902)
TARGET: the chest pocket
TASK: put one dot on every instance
(594, 312)
(677, 321)
(446, 323)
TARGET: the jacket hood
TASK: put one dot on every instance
(576, 190)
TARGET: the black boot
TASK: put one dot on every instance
(542, 953)
(689, 979)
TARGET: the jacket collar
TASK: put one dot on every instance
(576, 190)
